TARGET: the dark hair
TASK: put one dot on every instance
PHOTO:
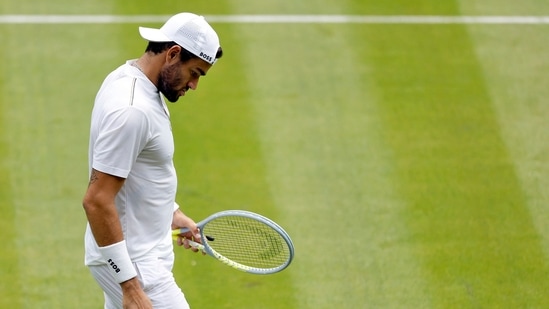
(185, 55)
(219, 53)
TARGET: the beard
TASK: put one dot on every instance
(168, 81)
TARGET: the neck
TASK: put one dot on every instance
(150, 65)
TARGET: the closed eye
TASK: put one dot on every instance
(201, 72)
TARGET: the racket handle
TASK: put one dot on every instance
(175, 235)
(183, 230)
(196, 245)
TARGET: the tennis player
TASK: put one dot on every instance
(130, 200)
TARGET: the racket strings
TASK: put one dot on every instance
(247, 241)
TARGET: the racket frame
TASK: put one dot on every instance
(247, 214)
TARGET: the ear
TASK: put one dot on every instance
(172, 55)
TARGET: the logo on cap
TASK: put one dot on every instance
(206, 57)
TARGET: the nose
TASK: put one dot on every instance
(193, 84)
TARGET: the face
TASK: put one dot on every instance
(177, 78)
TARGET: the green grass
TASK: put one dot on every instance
(409, 163)
(468, 218)
(9, 269)
(45, 117)
(323, 149)
(518, 93)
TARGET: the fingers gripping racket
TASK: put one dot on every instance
(244, 240)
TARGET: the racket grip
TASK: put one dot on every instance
(175, 233)
(183, 230)
(196, 245)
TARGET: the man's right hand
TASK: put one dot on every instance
(133, 296)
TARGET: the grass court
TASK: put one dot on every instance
(408, 161)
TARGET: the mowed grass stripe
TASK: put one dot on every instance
(9, 267)
(518, 90)
(468, 217)
(54, 90)
(328, 170)
(27, 143)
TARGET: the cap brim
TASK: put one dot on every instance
(153, 35)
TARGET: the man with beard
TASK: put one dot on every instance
(130, 200)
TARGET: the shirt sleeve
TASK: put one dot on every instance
(123, 134)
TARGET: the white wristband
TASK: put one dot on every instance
(118, 260)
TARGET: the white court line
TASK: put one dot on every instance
(324, 19)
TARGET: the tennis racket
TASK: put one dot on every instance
(244, 240)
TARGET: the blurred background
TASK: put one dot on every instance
(408, 159)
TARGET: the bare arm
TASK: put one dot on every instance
(100, 208)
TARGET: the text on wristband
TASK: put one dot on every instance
(113, 265)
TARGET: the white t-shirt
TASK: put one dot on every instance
(131, 137)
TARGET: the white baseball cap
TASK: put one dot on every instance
(190, 31)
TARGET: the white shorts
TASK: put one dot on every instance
(155, 277)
